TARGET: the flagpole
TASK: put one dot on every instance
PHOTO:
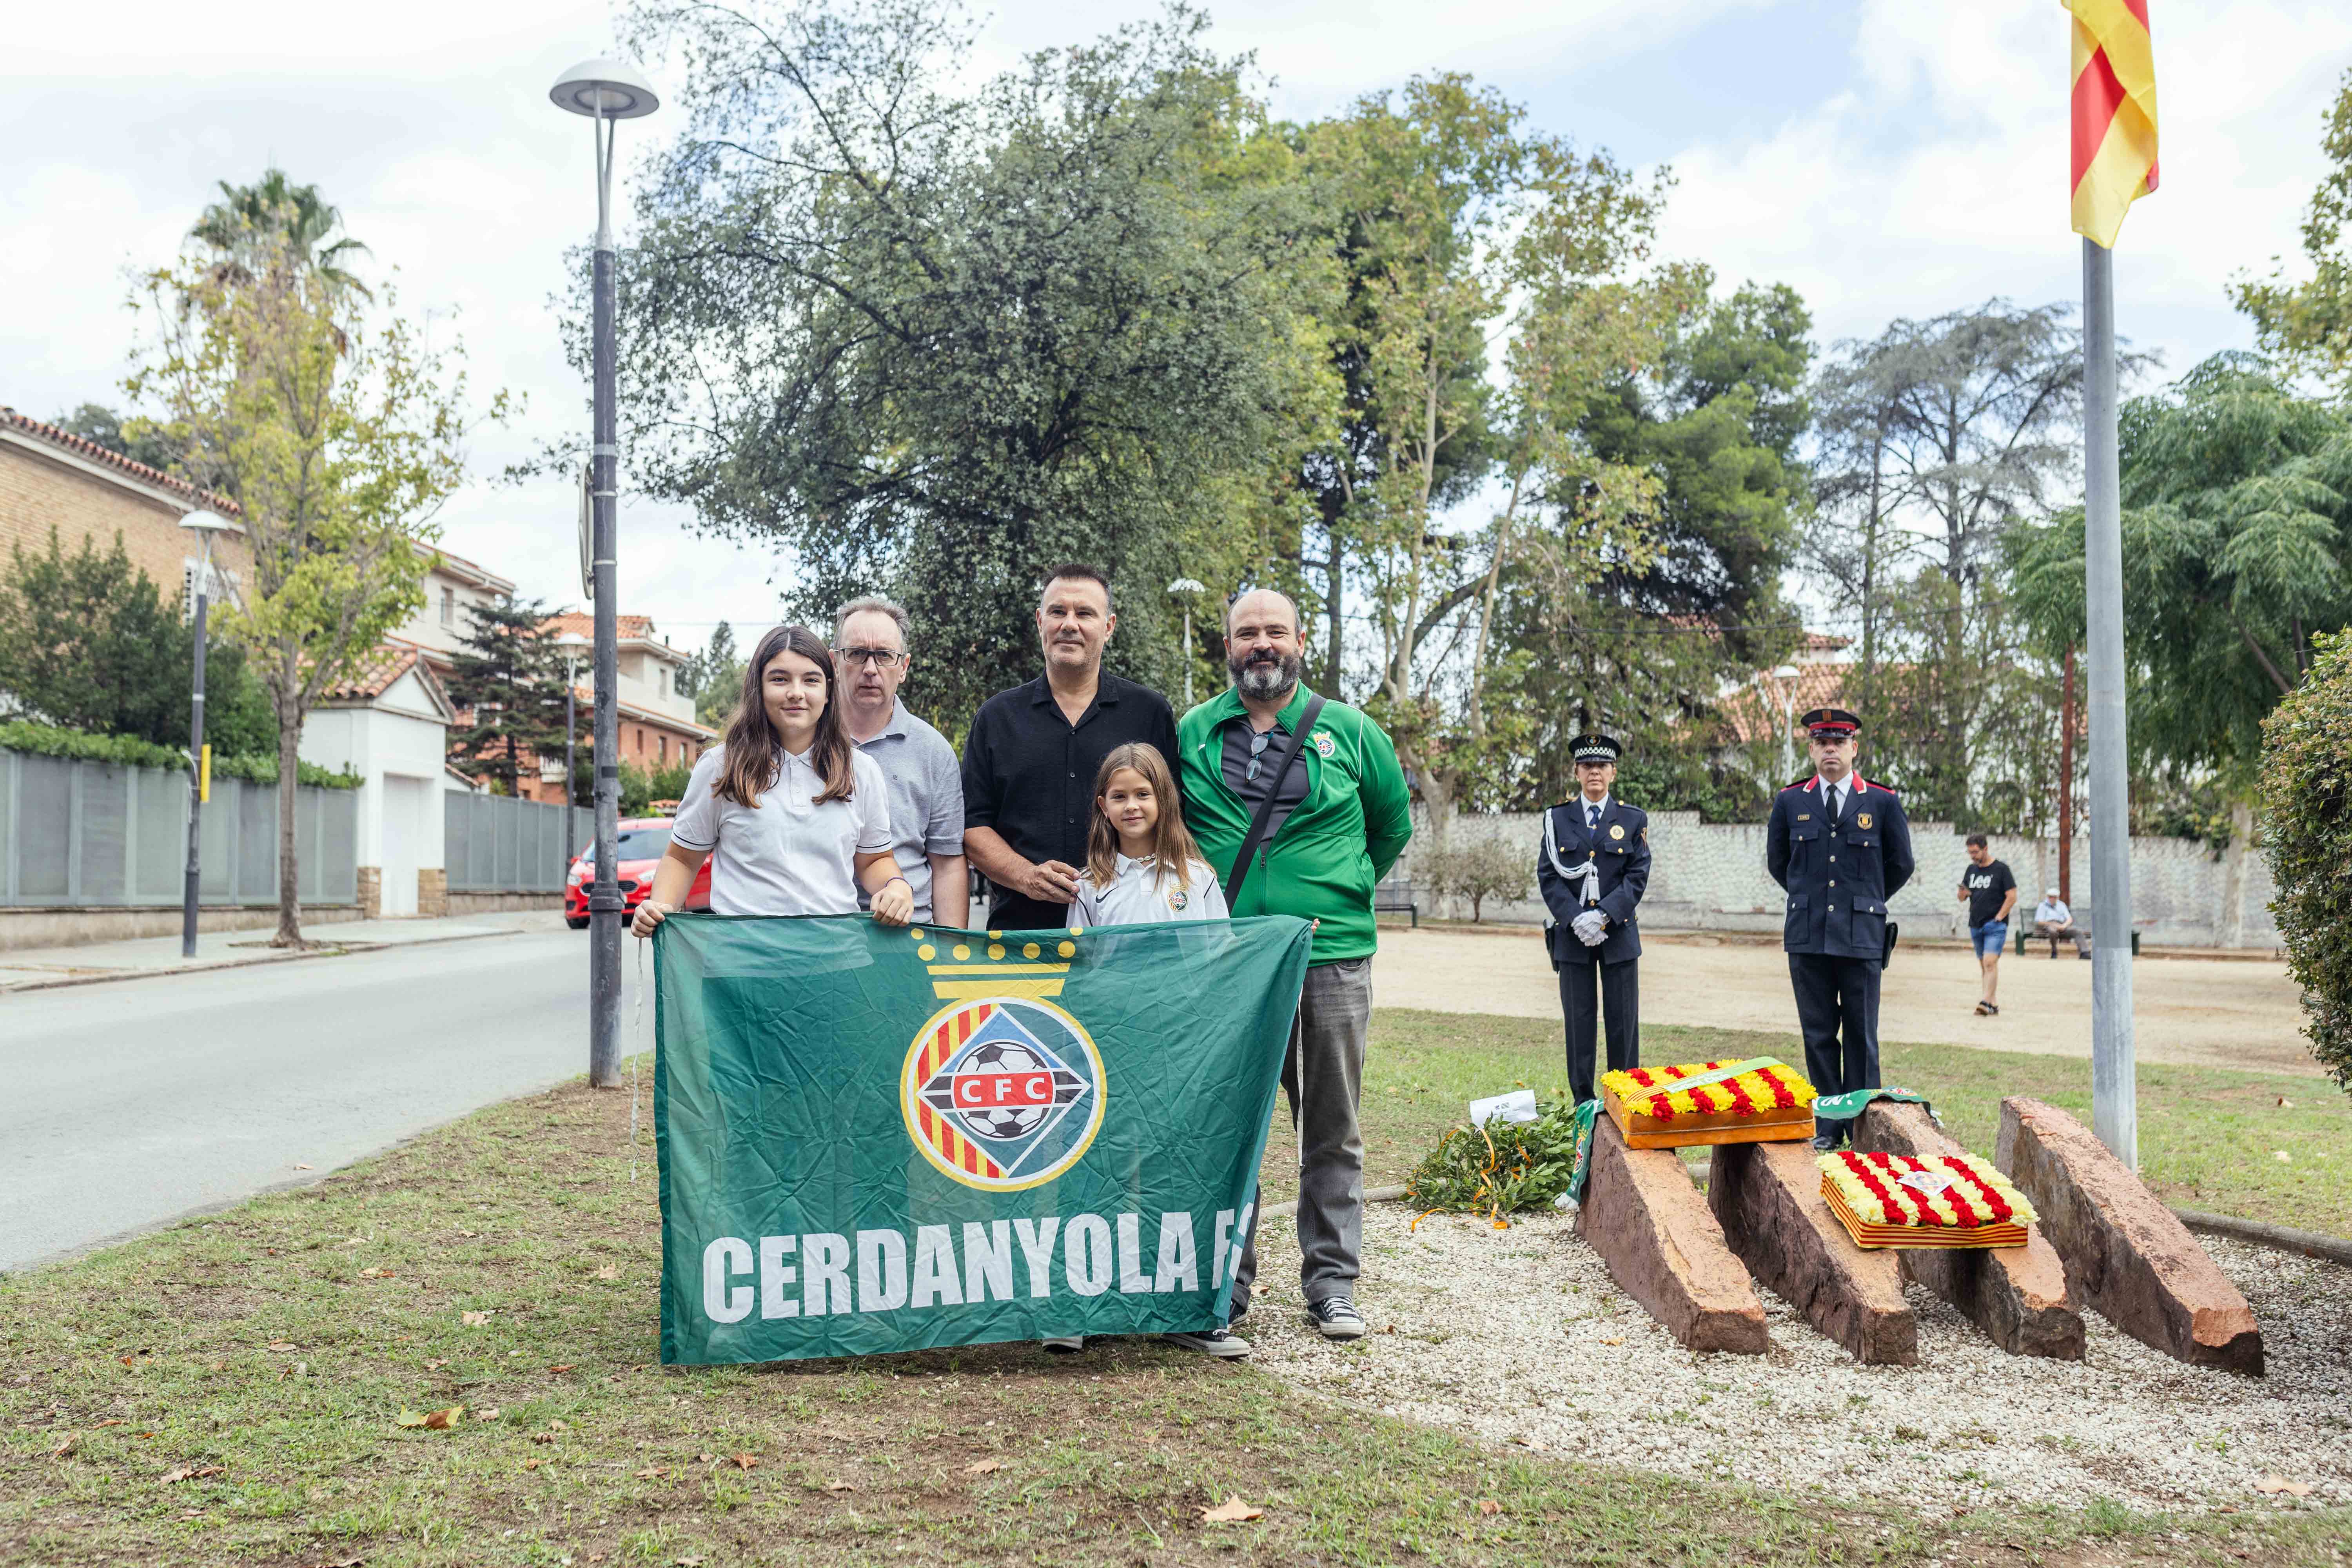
(2114, 1106)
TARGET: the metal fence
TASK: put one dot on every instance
(84, 835)
(498, 843)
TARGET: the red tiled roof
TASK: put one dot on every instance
(378, 669)
(82, 446)
(476, 567)
(580, 623)
(1763, 709)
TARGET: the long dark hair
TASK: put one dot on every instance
(755, 755)
(1172, 849)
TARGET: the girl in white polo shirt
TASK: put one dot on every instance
(1141, 863)
(798, 817)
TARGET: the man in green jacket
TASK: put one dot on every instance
(1341, 818)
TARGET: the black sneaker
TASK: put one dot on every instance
(1065, 1345)
(1211, 1341)
(1336, 1318)
(1826, 1142)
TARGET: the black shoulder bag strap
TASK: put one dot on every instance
(1298, 738)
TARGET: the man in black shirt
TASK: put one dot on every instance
(1990, 892)
(1029, 762)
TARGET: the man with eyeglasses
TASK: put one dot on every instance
(869, 649)
(1340, 815)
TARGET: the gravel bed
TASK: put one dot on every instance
(1519, 1337)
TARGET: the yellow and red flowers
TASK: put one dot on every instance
(1900, 1200)
(1651, 1091)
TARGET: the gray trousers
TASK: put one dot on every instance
(1323, 1077)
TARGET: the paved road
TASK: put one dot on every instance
(133, 1102)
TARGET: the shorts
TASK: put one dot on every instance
(1990, 938)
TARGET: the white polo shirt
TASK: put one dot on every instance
(1139, 894)
(788, 854)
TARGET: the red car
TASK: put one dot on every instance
(641, 842)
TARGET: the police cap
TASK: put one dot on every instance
(1591, 748)
(1831, 725)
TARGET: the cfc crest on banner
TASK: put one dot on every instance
(1003, 1092)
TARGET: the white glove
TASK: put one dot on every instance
(1592, 928)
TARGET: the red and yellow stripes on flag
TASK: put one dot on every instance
(2113, 113)
(940, 1131)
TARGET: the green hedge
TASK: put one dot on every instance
(128, 751)
(2306, 799)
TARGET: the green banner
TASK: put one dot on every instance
(876, 1140)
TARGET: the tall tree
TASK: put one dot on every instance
(275, 222)
(506, 677)
(337, 437)
(87, 643)
(936, 340)
(2308, 324)
(2237, 532)
(714, 677)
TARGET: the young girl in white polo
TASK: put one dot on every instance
(1142, 865)
(1143, 868)
(799, 819)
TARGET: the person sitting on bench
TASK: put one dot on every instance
(2053, 920)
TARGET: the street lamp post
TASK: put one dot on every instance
(1786, 675)
(571, 643)
(604, 90)
(1185, 589)
(203, 525)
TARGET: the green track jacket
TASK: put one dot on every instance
(1355, 821)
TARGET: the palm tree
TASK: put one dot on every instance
(274, 213)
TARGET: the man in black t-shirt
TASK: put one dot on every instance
(1990, 892)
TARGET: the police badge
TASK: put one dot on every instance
(1862, 820)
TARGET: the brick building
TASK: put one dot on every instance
(50, 480)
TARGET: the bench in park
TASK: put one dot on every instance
(1394, 897)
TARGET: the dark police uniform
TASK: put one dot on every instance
(1838, 869)
(1607, 974)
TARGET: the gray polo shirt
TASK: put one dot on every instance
(926, 798)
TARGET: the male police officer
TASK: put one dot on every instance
(1840, 846)
(1593, 866)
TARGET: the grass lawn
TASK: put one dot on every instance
(229, 1391)
(2210, 1138)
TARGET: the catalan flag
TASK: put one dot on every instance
(2113, 113)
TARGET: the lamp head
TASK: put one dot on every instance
(208, 522)
(605, 90)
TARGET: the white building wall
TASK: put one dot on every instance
(401, 736)
(1710, 876)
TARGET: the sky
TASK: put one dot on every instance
(1888, 160)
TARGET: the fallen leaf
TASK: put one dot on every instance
(838, 1485)
(652, 1472)
(437, 1363)
(72, 1441)
(220, 1366)
(981, 1467)
(687, 1561)
(142, 1436)
(533, 1464)
(542, 1436)
(565, 1366)
(128, 1360)
(281, 1344)
(301, 1167)
(2285, 1104)
(443, 1420)
(2280, 1484)
(474, 1320)
(743, 1462)
(346, 1563)
(610, 1271)
(1233, 1510)
(2283, 1157)
(698, 1458)
(376, 1274)
(1488, 1505)
(190, 1473)
(489, 1414)
(1618, 1342)
(470, 1233)
(110, 1423)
